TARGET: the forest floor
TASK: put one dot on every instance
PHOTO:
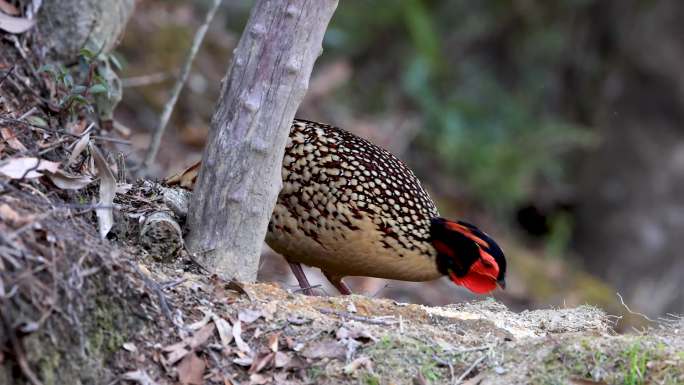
(96, 312)
(80, 309)
(77, 306)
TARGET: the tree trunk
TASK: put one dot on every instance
(240, 177)
(67, 26)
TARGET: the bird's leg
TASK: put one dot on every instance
(338, 283)
(301, 277)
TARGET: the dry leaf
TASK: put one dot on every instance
(281, 360)
(268, 310)
(105, 216)
(15, 24)
(258, 379)
(123, 188)
(10, 216)
(243, 361)
(273, 342)
(239, 342)
(248, 315)
(129, 346)
(354, 332)
(8, 8)
(261, 361)
(296, 363)
(357, 363)
(173, 347)
(200, 324)
(27, 167)
(280, 378)
(76, 127)
(68, 182)
(185, 178)
(11, 138)
(201, 337)
(225, 331)
(325, 349)
(176, 355)
(297, 320)
(36, 121)
(139, 376)
(78, 148)
(237, 286)
(191, 370)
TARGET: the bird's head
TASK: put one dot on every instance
(468, 256)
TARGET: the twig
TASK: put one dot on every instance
(110, 139)
(474, 349)
(373, 321)
(633, 312)
(196, 262)
(145, 80)
(159, 291)
(27, 113)
(172, 284)
(470, 369)
(7, 74)
(185, 70)
(447, 364)
(297, 290)
(56, 132)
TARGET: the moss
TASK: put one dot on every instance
(430, 371)
(370, 379)
(49, 363)
(106, 334)
(397, 358)
(625, 360)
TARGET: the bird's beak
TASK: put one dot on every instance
(502, 283)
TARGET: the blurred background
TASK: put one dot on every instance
(556, 126)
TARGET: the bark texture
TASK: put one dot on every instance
(240, 176)
(67, 26)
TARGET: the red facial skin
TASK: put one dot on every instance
(481, 278)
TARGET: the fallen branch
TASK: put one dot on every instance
(384, 320)
(470, 369)
(622, 301)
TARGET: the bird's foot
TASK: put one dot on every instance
(338, 283)
(305, 286)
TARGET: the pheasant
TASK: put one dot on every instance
(352, 208)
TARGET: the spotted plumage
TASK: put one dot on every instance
(348, 203)
(350, 207)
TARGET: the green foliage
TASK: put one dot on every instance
(482, 75)
(635, 370)
(371, 379)
(89, 86)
